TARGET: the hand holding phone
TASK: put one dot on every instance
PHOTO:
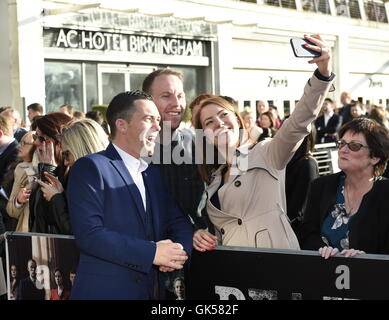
(300, 51)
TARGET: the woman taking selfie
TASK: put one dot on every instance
(246, 194)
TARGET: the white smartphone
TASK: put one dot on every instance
(300, 51)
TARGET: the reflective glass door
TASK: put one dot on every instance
(112, 81)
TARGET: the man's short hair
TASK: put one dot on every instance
(35, 107)
(329, 100)
(122, 106)
(148, 81)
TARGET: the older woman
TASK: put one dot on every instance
(246, 193)
(348, 211)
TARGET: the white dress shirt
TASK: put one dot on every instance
(135, 167)
(327, 117)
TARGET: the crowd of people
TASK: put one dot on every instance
(139, 196)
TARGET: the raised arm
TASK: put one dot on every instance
(290, 135)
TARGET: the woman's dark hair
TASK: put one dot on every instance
(377, 139)
(51, 125)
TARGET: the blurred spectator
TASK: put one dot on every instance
(78, 115)
(95, 115)
(344, 111)
(248, 117)
(328, 124)
(33, 110)
(357, 110)
(24, 174)
(66, 109)
(14, 281)
(277, 120)
(16, 122)
(268, 122)
(8, 146)
(378, 114)
(262, 107)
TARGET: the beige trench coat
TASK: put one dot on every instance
(253, 203)
(23, 177)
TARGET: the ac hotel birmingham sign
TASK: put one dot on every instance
(97, 40)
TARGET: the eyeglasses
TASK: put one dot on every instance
(353, 146)
(41, 139)
(65, 155)
(24, 143)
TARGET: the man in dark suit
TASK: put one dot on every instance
(8, 146)
(30, 288)
(328, 124)
(125, 223)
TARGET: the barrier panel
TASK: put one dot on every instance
(50, 253)
(236, 273)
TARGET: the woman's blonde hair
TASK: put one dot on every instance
(83, 137)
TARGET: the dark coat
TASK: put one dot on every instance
(28, 291)
(328, 132)
(7, 157)
(369, 228)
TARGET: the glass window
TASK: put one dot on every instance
(316, 6)
(375, 11)
(355, 11)
(282, 3)
(112, 84)
(286, 108)
(91, 85)
(342, 8)
(63, 85)
(247, 103)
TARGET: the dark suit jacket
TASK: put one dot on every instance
(369, 228)
(332, 127)
(107, 217)
(7, 157)
(28, 291)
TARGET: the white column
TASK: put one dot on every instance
(341, 64)
(30, 50)
(223, 60)
(9, 64)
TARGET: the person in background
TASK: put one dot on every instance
(246, 187)
(14, 275)
(347, 212)
(328, 124)
(262, 107)
(357, 110)
(72, 276)
(59, 293)
(301, 170)
(277, 120)
(30, 288)
(24, 175)
(95, 115)
(268, 123)
(378, 114)
(249, 123)
(42, 218)
(345, 110)
(78, 139)
(34, 110)
(78, 115)
(179, 288)
(16, 122)
(66, 109)
(125, 223)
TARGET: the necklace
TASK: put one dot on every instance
(357, 201)
(347, 203)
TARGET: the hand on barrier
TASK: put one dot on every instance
(351, 253)
(327, 252)
(169, 256)
(204, 240)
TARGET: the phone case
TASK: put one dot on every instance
(300, 51)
